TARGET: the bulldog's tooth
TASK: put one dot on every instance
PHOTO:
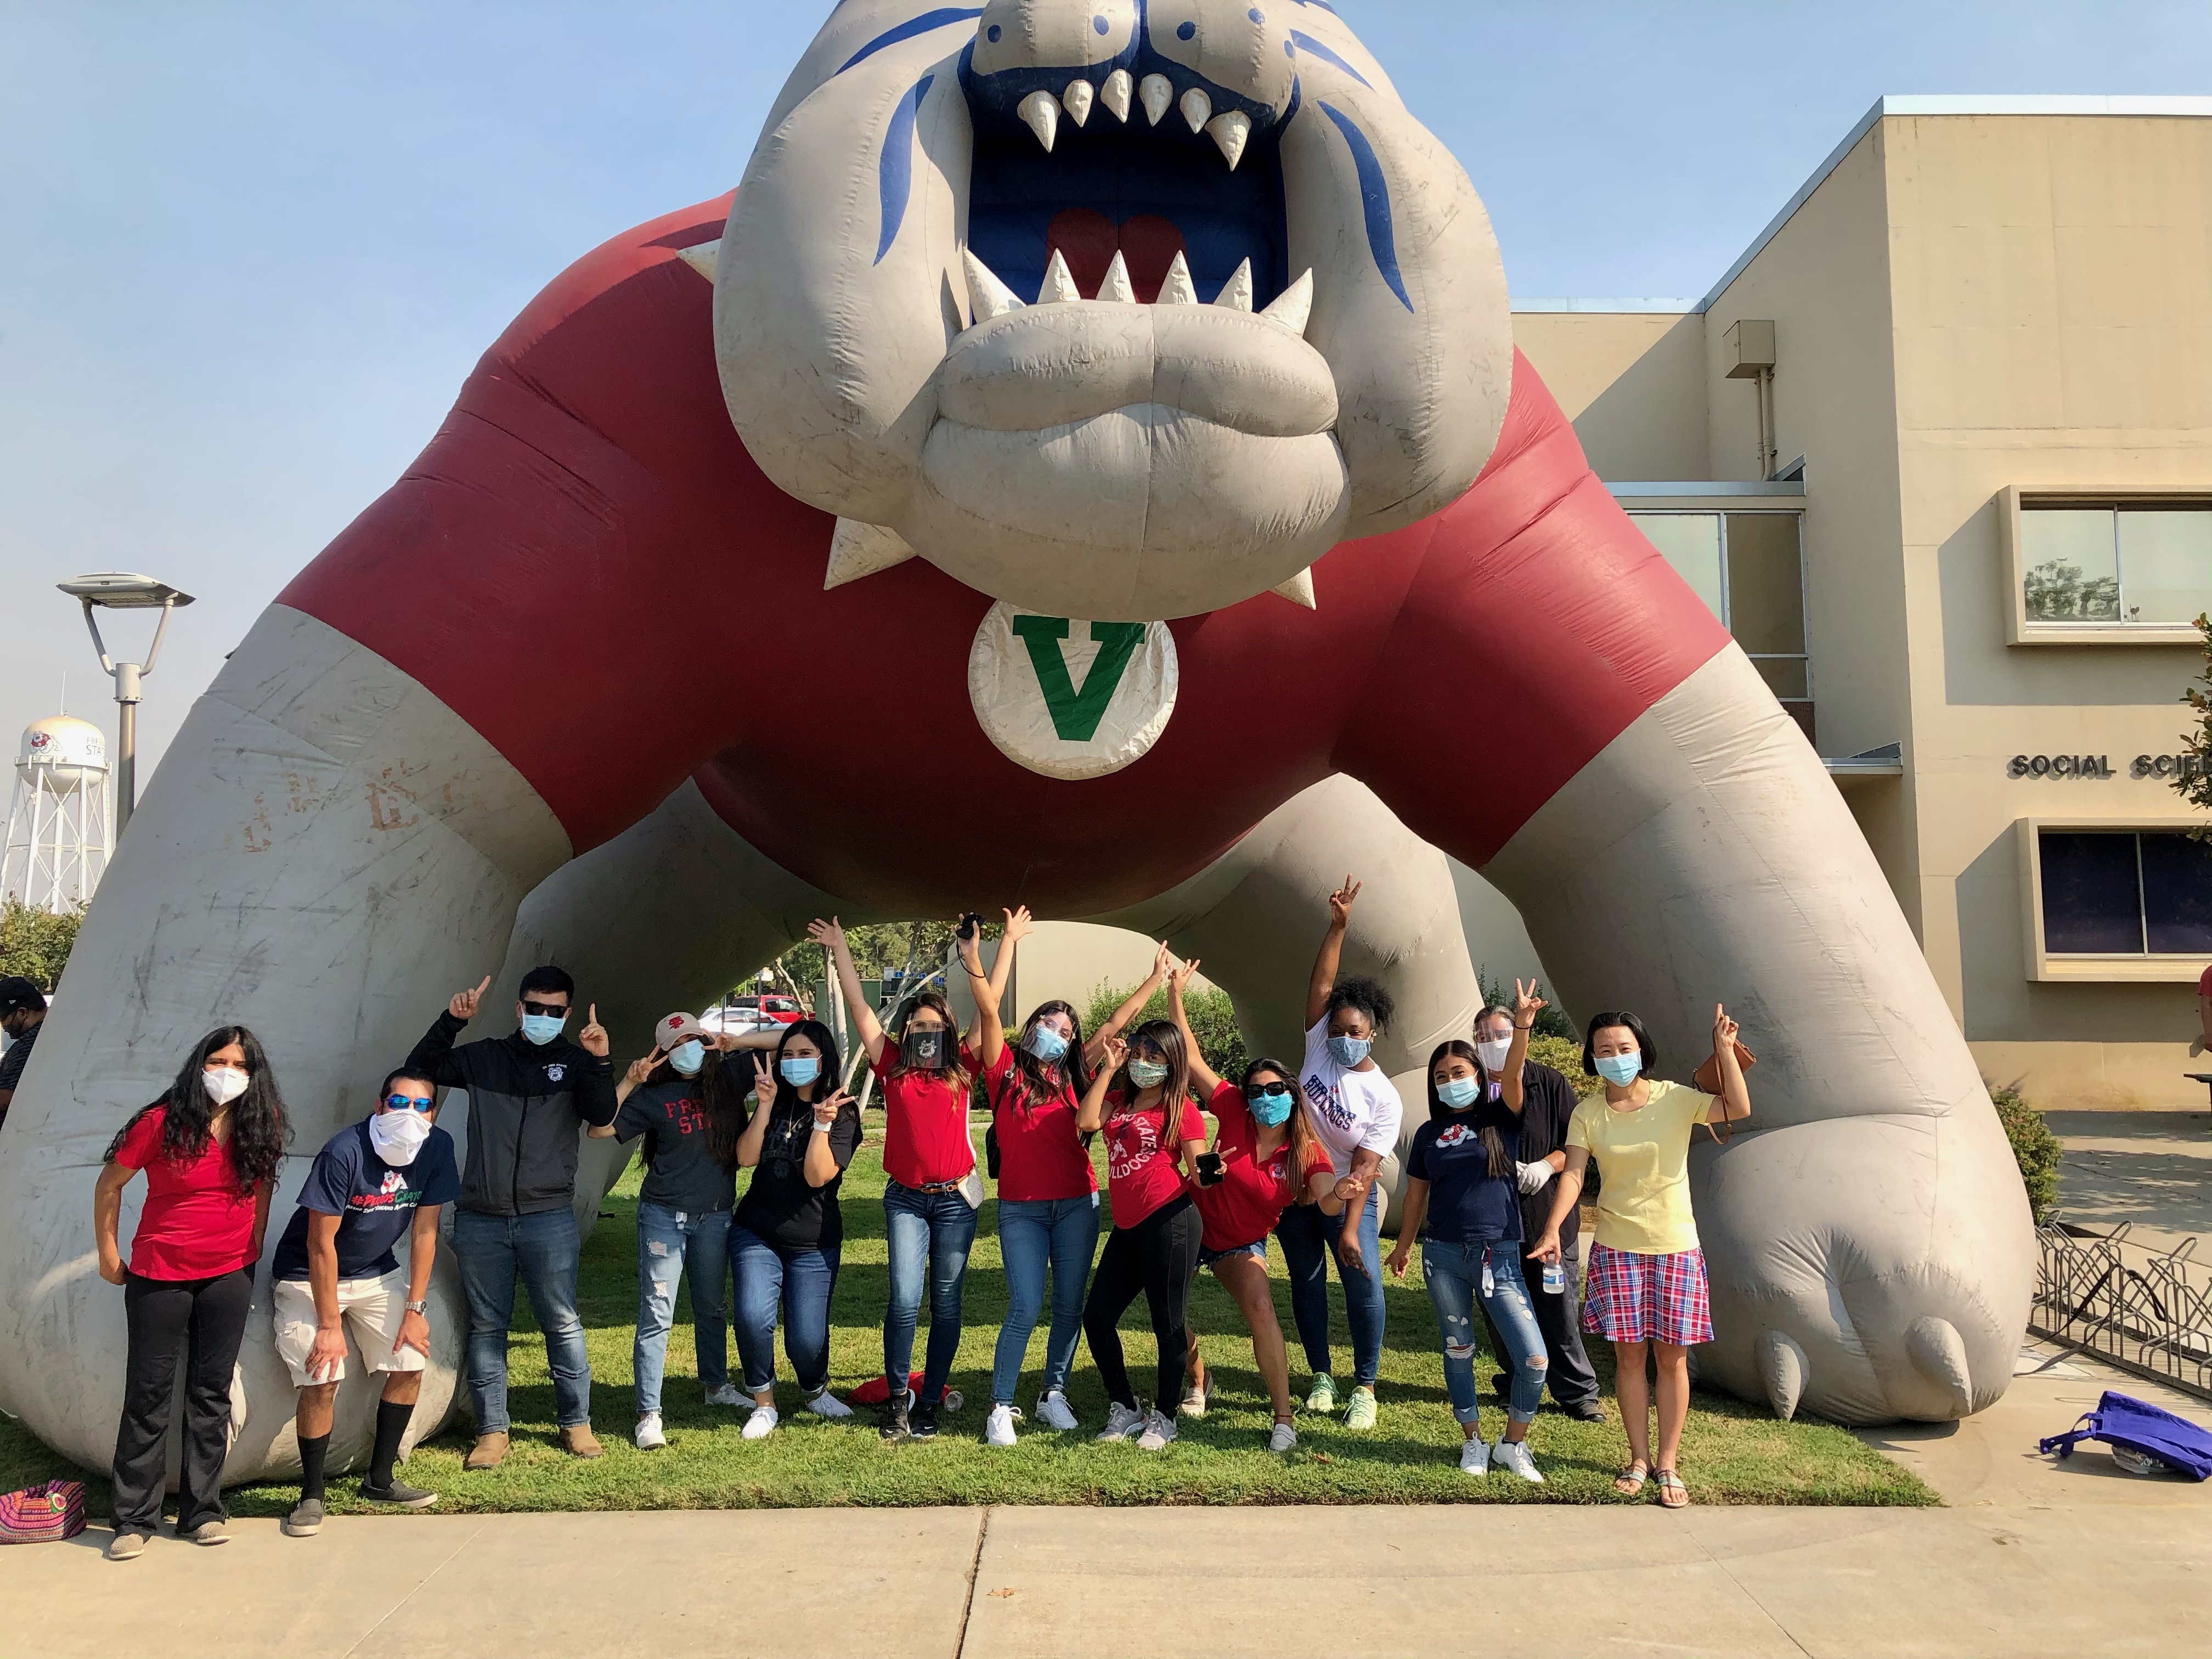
(987, 297)
(1293, 304)
(701, 256)
(1116, 287)
(1229, 130)
(1176, 289)
(1077, 99)
(1299, 590)
(857, 550)
(1042, 111)
(1236, 292)
(1114, 94)
(1197, 108)
(1158, 92)
(1058, 286)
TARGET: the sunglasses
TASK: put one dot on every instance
(409, 1103)
(1266, 1091)
(530, 1007)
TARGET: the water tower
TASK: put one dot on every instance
(58, 839)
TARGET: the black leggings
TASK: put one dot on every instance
(204, 1319)
(1158, 1256)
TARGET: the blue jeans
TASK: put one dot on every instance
(670, 1243)
(1033, 1233)
(1455, 1275)
(928, 1236)
(491, 1251)
(770, 1275)
(1308, 1242)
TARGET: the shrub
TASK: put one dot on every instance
(1564, 1054)
(1212, 1021)
(1551, 1020)
(36, 943)
(2034, 1148)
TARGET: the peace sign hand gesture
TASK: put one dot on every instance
(593, 1036)
(641, 1069)
(826, 1108)
(763, 1081)
(1162, 962)
(464, 1003)
(1527, 1005)
(1339, 903)
(1179, 976)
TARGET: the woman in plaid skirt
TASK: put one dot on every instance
(1645, 1290)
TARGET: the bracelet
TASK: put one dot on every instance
(1530, 1026)
(821, 1129)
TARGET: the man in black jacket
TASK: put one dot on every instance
(530, 1094)
(1548, 1100)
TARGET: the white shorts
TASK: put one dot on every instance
(372, 1307)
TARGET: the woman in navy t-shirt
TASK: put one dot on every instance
(1460, 1179)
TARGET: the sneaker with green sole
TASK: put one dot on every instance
(1321, 1397)
(1360, 1414)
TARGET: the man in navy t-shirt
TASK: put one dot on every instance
(373, 1184)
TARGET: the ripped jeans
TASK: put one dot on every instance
(673, 1243)
(1454, 1272)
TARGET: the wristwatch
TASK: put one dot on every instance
(422, 1308)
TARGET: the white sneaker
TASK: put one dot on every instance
(1054, 1412)
(649, 1437)
(725, 1394)
(1514, 1455)
(1474, 1457)
(1159, 1430)
(827, 1404)
(1000, 1431)
(1194, 1402)
(1120, 1421)
(762, 1423)
(1283, 1439)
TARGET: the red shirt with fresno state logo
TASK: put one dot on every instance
(924, 1121)
(1141, 1174)
(1243, 1206)
(1040, 1153)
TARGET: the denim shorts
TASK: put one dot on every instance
(1257, 1250)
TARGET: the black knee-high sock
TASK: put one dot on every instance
(311, 1466)
(390, 1423)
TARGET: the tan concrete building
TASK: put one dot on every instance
(1938, 449)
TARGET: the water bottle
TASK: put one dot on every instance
(1555, 1278)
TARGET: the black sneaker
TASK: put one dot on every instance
(399, 1494)
(1587, 1412)
(897, 1424)
(924, 1420)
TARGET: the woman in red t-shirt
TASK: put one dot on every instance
(1265, 1160)
(1154, 1134)
(931, 1189)
(209, 1148)
(1047, 1194)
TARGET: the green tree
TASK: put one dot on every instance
(1212, 1021)
(36, 943)
(2195, 783)
(1551, 1022)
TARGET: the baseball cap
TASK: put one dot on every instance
(679, 1028)
(16, 992)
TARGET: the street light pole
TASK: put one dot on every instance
(115, 590)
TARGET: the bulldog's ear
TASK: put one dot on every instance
(837, 285)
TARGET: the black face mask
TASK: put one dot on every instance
(926, 1048)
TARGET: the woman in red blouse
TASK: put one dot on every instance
(1141, 1099)
(209, 1148)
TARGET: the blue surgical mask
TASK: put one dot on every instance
(688, 1057)
(1349, 1050)
(799, 1070)
(1621, 1070)
(1459, 1092)
(542, 1029)
(1271, 1111)
(1046, 1043)
(1147, 1073)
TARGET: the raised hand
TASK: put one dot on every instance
(829, 934)
(1724, 1029)
(1339, 903)
(1162, 962)
(641, 1069)
(593, 1036)
(464, 1003)
(1117, 1050)
(1181, 976)
(764, 1081)
(1527, 1005)
(1019, 926)
(826, 1106)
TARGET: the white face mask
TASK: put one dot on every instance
(397, 1136)
(223, 1084)
(1493, 1052)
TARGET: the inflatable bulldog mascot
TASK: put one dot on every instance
(1084, 464)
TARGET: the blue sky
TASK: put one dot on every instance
(247, 251)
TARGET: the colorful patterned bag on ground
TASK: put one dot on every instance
(42, 1514)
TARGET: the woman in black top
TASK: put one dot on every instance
(787, 1232)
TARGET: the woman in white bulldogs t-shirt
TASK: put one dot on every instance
(1354, 1112)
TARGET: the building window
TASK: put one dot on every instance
(2125, 892)
(2115, 564)
(1748, 568)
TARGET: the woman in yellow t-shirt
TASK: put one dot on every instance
(1645, 1291)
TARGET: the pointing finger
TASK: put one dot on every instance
(484, 985)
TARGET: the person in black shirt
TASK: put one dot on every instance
(687, 1099)
(787, 1233)
(529, 1093)
(1548, 1100)
(22, 1011)
(373, 1184)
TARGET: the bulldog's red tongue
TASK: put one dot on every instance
(1087, 240)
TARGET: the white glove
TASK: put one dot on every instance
(1534, 1175)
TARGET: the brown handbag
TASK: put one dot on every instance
(1707, 1080)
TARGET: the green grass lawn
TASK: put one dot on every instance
(1732, 1453)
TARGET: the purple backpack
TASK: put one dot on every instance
(2135, 1426)
(42, 1514)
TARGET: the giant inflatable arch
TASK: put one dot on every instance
(1084, 464)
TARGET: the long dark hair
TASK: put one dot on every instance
(259, 1127)
(1175, 1088)
(955, 1074)
(1305, 1146)
(1492, 1142)
(1034, 1081)
(723, 1088)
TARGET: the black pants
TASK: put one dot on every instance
(1158, 1256)
(1573, 1383)
(204, 1319)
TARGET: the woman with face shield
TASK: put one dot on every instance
(690, 1110)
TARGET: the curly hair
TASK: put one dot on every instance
(1365, 995)
(258, 1126)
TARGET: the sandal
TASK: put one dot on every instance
(1630, 1481)
(1673, 1494)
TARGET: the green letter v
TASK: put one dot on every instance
(1075, 714)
